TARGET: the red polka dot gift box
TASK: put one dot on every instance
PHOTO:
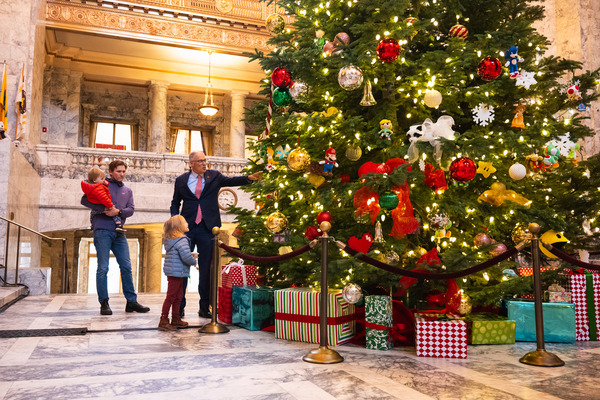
(438, 336)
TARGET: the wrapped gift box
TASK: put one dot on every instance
(238, 274)
(585, 290)
(440, 338)
(253, 307)
(559, 321)
(225, 305)
(558, 297)
(528, 271)
(490, 329)
(378, 322)
(297, 316)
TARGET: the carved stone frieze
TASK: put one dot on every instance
(93, 17)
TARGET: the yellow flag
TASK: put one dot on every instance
(3, 107)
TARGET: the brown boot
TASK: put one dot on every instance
(164, 325)
(177, 322)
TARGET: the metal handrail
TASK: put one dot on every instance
(65, 280)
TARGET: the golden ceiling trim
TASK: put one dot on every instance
(93, 18)
(247, 9)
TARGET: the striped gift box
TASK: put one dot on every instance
(297, 316)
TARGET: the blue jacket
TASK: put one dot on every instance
(178, 258)
(122, 198)
(208, 201)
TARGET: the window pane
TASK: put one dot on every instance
(181, 142)
(123, 136)
(196, 144)
(104, 133)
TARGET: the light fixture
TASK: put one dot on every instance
(209, 109)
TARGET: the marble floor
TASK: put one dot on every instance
(124, 357)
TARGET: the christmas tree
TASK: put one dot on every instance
(417, 125)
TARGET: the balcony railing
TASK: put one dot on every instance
(53, 159)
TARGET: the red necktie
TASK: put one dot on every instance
(198, 193)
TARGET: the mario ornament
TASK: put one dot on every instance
(329, 162)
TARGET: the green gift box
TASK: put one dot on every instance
(490, 329)
(252, 307)
(378, 322)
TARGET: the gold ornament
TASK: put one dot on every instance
(298, 159)
(368, 99)
(432, 98)
(275, 24)
(284, 250)
(498, 194)
(276, 222)
(353, 153)
(485, 169)
(520, 233)
(316, 180)
(465, 304)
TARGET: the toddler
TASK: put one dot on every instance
(96, 190)
(178, 260)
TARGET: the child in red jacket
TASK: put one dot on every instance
(96, 190)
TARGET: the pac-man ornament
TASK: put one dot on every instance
(554, 238)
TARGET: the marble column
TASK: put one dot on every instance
(153, 262)
(158, 117)
(237, 127)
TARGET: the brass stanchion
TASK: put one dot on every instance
(323, 355)
(539, 357)
(213, 326)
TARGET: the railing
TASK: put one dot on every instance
(4, 279)
(72, 159)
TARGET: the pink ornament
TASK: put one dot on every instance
(499, 249)
(481, 239)
(340, 38)
(328, 48)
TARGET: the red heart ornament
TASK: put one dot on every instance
(371, 167)
(361, 245)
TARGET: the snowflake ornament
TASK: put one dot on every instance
(526, 79)
(483, 114)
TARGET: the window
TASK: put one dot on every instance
(188, 140)
(111, 135)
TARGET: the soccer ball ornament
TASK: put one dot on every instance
(276, 222)
(350, 77)
(275, 24)
(463, 169)
(282, 97)
(352, 293)
(432, 98)
(489, 68)
(298, 159)
(458, 31)
(388, 50)
(281, 77)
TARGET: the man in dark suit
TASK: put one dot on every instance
(199, 190)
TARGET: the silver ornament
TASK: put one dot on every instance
(350, 77)
(299, 91)
(352, 293)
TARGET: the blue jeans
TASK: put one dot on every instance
(105, 241)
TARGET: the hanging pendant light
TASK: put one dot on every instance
(209, 109)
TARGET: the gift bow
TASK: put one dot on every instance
(436, 178)
(239, 263)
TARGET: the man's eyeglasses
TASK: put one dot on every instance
(199, 161)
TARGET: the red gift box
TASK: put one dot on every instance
(436, 338)
(585, 294)
(528, 271)
(225, 305)
(238, 274)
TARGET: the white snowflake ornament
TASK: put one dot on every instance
(483, 114)
(526, 79)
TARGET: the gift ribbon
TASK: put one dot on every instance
(591, 305)
(314, 319)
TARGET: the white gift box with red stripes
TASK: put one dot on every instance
(444, 339)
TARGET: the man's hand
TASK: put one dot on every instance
(257, 176)
(112, 212)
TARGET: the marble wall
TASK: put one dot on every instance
(61, 105)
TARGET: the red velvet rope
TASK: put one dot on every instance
(265, 260)
(314, 319)
(560, 254)
(427, 275)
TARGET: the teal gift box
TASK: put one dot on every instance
(559, 321)
(253, 307)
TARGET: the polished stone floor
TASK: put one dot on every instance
(124, 357)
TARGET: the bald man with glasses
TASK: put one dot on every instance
(198, 189)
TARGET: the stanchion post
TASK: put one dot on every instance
(214, 326)
(539, 357)
(323, 355)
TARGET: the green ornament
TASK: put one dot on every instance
(388, 200)
(282, 97)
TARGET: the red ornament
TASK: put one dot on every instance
(323, 216)
(489, 68)
(463, 169)
(388, 50)
(281, 77)
(344, 178)
(361, 245)
(312, 232)
(458, 31)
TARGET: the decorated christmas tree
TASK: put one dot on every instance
(417, 127)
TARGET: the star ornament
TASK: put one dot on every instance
(526, 79)
(485, 169)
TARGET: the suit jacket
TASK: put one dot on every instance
(208, 201)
